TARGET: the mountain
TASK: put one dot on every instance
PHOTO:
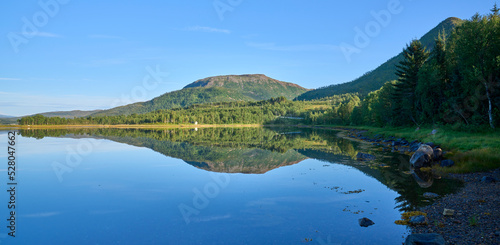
(374, 80)
(214, 89)
(5, 116)
(256, 87)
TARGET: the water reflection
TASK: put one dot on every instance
(259, 150)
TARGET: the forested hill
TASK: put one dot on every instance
(214, 89)
(374, 80)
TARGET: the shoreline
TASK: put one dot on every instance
(476, 205)
(476, 211)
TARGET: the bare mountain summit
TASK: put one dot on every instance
(255, 86)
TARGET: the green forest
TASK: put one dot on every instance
(454, 82)
(457, 83)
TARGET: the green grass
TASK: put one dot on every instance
(471, 151)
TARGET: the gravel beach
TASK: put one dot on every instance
(476, 206)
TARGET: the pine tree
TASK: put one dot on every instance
(494, 10)
(404, 95)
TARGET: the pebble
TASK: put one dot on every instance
(448, 212)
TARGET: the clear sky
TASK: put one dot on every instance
(75, 54)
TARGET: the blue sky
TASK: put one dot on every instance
(74, 54)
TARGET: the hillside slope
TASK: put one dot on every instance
(374, 80)
(213, 89)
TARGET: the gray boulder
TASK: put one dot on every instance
(422, 157)
(438, 154)
(425, 239)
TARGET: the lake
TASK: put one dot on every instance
(205, 186)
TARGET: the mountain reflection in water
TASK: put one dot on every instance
(260, 150)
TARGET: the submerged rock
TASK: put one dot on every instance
(425, 239)
(365, 222)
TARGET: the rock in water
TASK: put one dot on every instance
(430, 195)
(364, 157)
(365, 222)
(422, 157)
(425, 239)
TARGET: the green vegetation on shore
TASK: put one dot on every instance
(471, 151)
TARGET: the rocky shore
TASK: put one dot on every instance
(473, 213)
(476, 216)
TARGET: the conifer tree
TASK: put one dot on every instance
(404, 95)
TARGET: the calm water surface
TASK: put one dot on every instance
(209, 186)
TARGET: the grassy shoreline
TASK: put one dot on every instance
(472, 152)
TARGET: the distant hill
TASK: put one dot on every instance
(69, 114)
(374, 80)
(214, 89)
(65, 114)
(5, 116)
